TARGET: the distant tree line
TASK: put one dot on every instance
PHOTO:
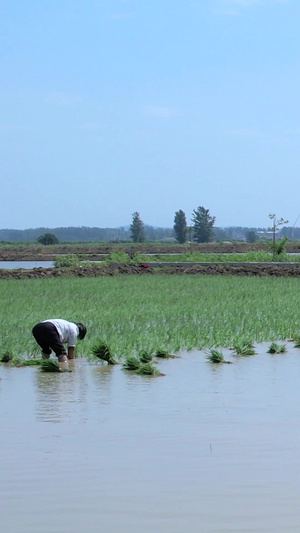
(84, 234)
(201, 229)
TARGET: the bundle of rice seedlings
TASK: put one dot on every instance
(103, 352)
(297, 341)
(146, 357)
(146, 369)
(276, 348)
(244, 349)
(216, 356)
(33, 362)
(132, 363)
(49, 365)
(6, 356)
(165, 355)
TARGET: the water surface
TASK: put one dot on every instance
(203, 449)
(10, 265)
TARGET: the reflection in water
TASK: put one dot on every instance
(204, 448)
(102, 376)
(62, 396)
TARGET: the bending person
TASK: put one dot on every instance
(52, 334)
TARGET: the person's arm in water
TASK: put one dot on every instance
(71, 352)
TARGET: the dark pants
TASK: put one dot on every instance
(46, 335)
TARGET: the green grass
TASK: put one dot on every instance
(249, 257)
(133, 314)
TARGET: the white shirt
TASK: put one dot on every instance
(68, 331)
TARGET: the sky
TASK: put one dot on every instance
(108, 107)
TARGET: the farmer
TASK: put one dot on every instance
(52, 334)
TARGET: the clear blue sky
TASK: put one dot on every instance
(113, 106)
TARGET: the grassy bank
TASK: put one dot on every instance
(132, 314)
(249, 257)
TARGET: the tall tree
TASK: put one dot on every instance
(203, 224)
(251, 236)
(180, 227)
(48, 238)
(137, 228)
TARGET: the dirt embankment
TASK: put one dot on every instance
(277, 270)
(95, 252)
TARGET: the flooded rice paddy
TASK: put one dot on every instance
(206, 448)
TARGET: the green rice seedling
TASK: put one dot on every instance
(146, 369)
(48, 365)
(243, 349)
(100, 350)
(297, 341)
(146, 357)
(216, 356)
(276, 348)
(165, 355)
(172, 318)
(17, 361)
(6, 356)
(32, 362)
(244, 343)
(132, 363)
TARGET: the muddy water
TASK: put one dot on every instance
(203, 449)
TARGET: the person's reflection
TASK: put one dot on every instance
(62, 396)
(102, 377)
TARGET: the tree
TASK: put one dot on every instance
(251, 236)
(277, 248)
(203, 225)
(48, 238)
(137, 228)
(276, 223)
(180, 226)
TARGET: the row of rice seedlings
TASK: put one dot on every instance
(156, 310)
(140, 366)
(244, 349)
